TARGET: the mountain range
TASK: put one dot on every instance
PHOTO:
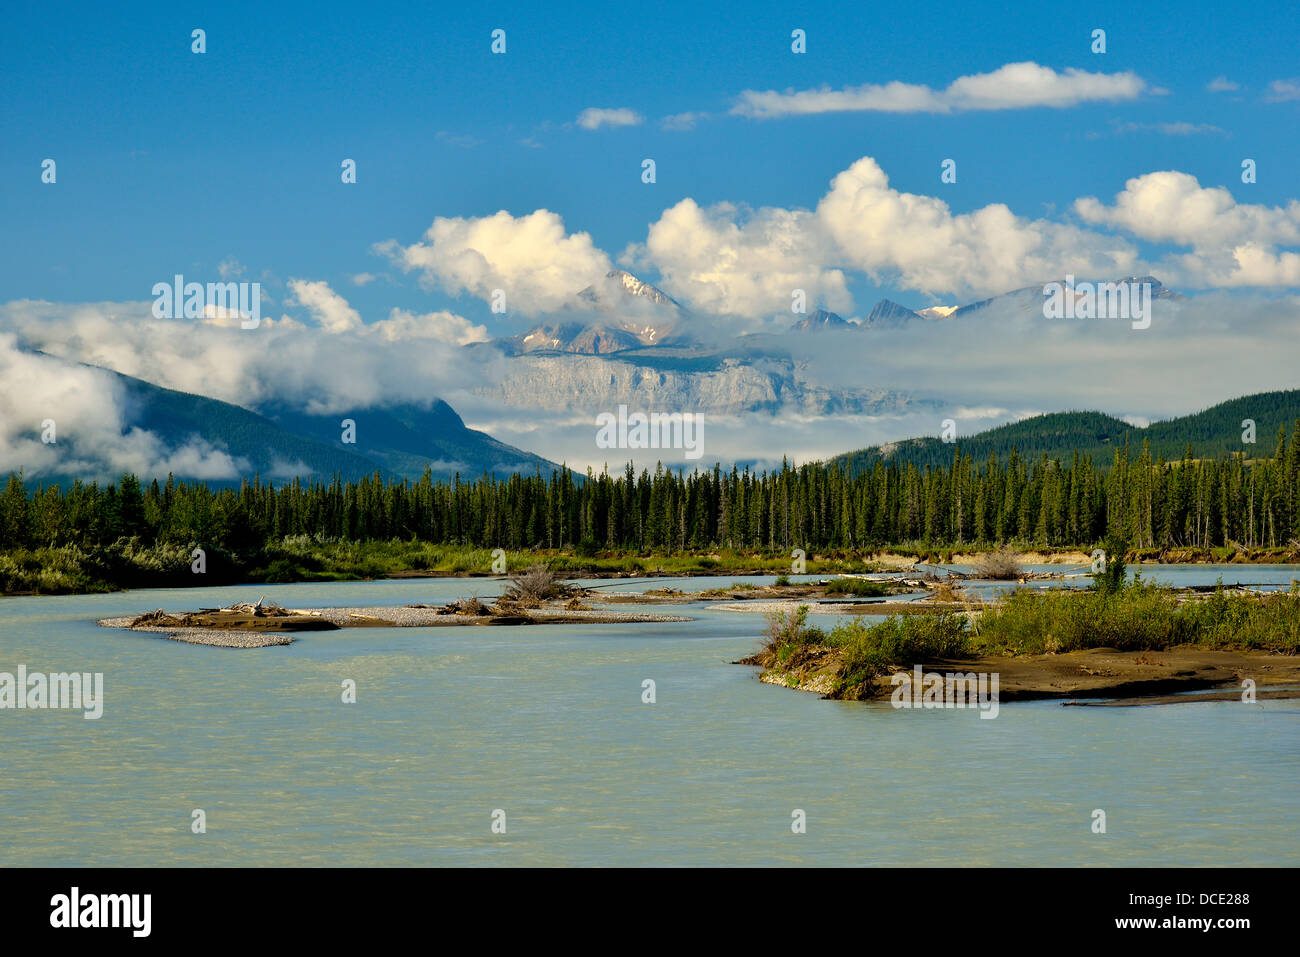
(655, 318)
(662, 321)
(625, 342)
(1027, 299)
(399, 441)
(637, 349)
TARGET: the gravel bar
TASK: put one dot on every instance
(378, 617)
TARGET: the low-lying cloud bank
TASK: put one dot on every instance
(992, 366)
(334, 365)
(61, 418)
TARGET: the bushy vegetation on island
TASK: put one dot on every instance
(1129, 616)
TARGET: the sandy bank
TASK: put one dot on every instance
(205, 636)
(1190, 698)
(1138, 676)
(861, 606)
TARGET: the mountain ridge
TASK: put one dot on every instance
(1212, 432)
(398, 441)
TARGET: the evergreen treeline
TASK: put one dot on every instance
(1148, 502)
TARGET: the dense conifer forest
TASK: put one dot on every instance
(1147, 501)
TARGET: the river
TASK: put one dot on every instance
(546, 723)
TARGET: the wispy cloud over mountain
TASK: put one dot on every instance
(85, 413)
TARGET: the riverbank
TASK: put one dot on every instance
(129, 563)
(1137, 640)
(1133, 677)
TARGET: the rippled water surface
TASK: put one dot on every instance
(547, 723)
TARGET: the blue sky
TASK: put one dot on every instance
(478, 172)
(174, 162)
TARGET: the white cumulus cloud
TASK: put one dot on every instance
(443, 326)
(723, 259)
(726, 259)
(918, 243)
(1232, 243)
(532, 259)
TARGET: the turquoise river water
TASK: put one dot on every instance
(547, 724)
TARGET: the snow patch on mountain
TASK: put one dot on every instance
(937, 312)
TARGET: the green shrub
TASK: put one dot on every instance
(1138, 617)
(868, 650)
(858, 587)
(791, 628)
(283, 570)
(1267, 622)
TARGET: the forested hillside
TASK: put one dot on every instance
(1214, 433)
